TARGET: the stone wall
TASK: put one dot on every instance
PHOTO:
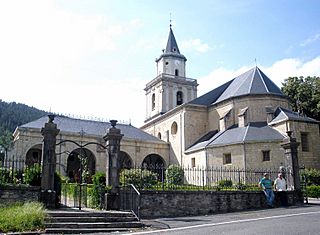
(175, 204)
(21, 193)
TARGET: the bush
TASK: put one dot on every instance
(313, 191)
(4, 176)
(22, 217)
(33, 175)
(96, 193)
(225, 183)
(139, 178)
(312, 176)
(175, 175)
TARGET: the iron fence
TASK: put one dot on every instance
(198, 178)
(15, 171)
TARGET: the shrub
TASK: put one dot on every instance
(225, 183)
(33, 175)
(313, 191)
(175, 175)
(4, 176)
(312, 176)
(22, 217)
(139, 178)
(99, 178)
(96, 193)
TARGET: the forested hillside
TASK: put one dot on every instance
(14, 114)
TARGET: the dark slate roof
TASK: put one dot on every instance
(253, 132)
(66, 124)
(253, 81)
(282, 114)
(172, 46)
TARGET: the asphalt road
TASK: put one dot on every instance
(304, 219)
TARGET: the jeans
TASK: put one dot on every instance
(269, 196)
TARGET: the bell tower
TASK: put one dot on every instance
(170, 88)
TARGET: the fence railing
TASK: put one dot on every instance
(130, 199)
(14, 171)
(197, 178)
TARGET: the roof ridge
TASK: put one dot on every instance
(265, 85)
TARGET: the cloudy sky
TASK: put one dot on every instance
(92, 58)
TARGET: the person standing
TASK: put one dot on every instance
(280, 186)
(266, 185)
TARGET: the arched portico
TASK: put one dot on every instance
(74, 160)
(33, 155)
(153, 161)
(125, 161)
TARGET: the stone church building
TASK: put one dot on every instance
(241, 124)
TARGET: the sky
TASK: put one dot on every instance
(92, 58)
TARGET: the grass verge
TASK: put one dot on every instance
(22, 217)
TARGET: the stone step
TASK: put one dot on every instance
(85, 230)
(134, 224)
(62, 213)
(89, 219)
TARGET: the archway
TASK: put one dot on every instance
(76, 171)
(153, 161)
(125, 161)
(33, 155)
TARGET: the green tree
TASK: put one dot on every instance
(304, 95)
(6, 143)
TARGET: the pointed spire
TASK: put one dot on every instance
(172, 46)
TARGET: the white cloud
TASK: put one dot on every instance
(195, 44)
(310, 40)
(277, 72)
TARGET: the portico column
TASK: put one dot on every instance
(113, 138)
(49, 133)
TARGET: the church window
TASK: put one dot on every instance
(153, 101)
(176, 72)
(227, 158)
(305, 142)
(167, 63)
(266, 155)
(159, 135)
(174, 128)
(179, 98)
(193, 162)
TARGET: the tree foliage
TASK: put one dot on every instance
(304, 95)
(14, 114)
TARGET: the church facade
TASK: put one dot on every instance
(240, 124)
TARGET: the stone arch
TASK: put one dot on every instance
(33, 155)
(125, 161)
(174, 128)
(74, 166)
(153, 161)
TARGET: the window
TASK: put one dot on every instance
(266, 155)
(227, 158)
(193, 162)
(179, 98)
(153, 101)
(305, 142)
(174, 128)
(159, 135)
(176, 72)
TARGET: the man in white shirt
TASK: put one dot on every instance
(280, 186)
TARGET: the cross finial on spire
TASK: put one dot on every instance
(255, 61)
(170, 21)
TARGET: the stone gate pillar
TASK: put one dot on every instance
(291, 158)
(49, 133)
(113, 138)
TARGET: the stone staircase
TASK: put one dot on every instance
(73, 221)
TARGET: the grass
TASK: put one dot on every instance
(22, 217)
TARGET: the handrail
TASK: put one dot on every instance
(135, 209)
(135, 189)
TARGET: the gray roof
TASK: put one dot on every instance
(66, 124)
(282, 114)
(253, 132)
(251, 82)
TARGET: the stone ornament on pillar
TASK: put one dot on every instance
(113, 138)
(49, 133)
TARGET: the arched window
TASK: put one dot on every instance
(174, 128)
(176, 72)
(179, 98)
(159, 135)
(153, 100)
